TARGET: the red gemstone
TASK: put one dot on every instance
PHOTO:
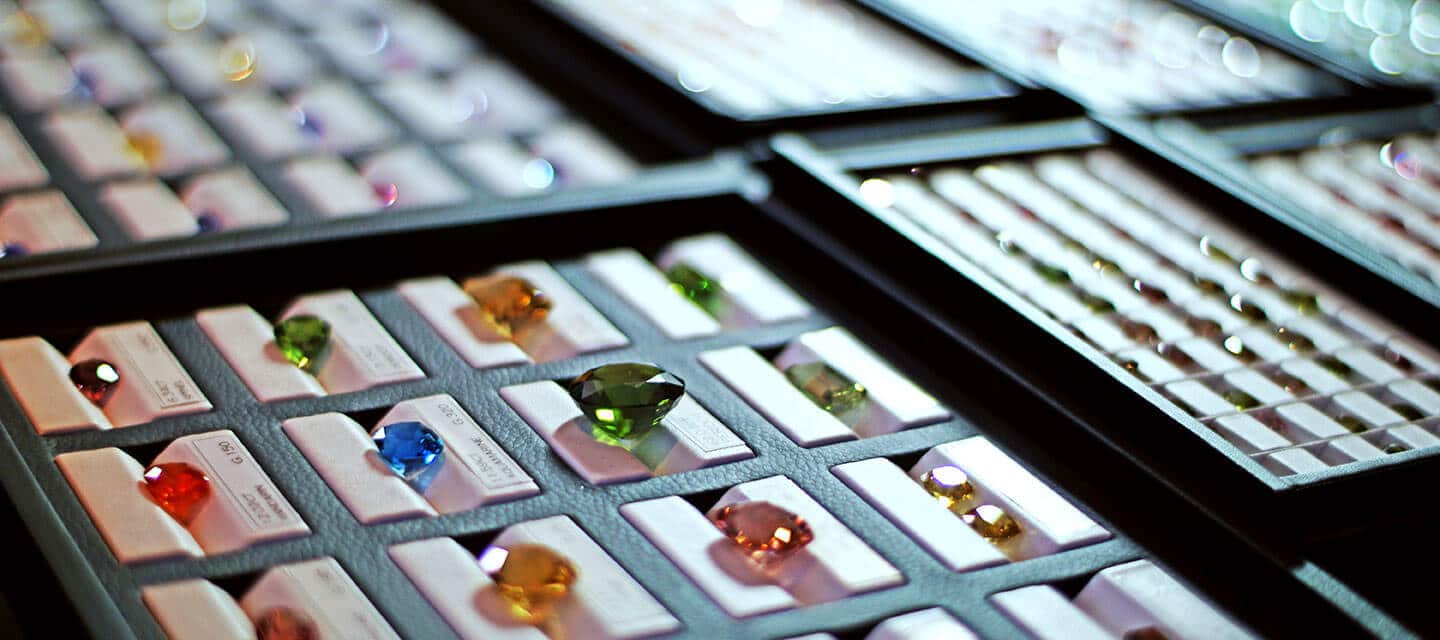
(95, 379)
(179, 488)
(284, 623)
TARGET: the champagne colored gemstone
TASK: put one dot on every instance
(531, 578)
(1150, 292)
(827, 388)
(624, 401)
(1204, 327)
(1096, 303)
(1050, 272)
(1139, 331)
(96, 379)
(185, 15)
(1298, 342)
(237, 59)
(766, 532)
(412, 450)
(1407, 411)
(1294, 385)
(698, 287)
(1352, 423)
(1304, 301)
(1335, 366)
(1396, 447)
(25, 29)
(181, 489)
(1237, 347)
(992, 523)
(1246, 308)
(949, 485)
(303, 340)
(1241, 400)
(1208, 286)
(1175, 355)
(284, 623)
(510, 303)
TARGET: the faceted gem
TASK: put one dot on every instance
(1407, 411)
(96, 379)
(146, 147)
(1208, 286)
(992, 523)
(510, 303)
(1150, 292)
(1399, 360)
(1134, 368)
(388, 193)
(949, 484)
(699, 288)
(303, 339)
(1139, 331)
(1298, 342)
(1352, 423)
(531, 578)
(1304, 301)
(1204, 327)
(237, 59)
(207, 223)
(765, 532)
(412, 451)
(284, 623)
(1240, 400)
(1051, 273)
(179, 488)
(827, 388)
(1246, 308)
(13, 250)
(1105, 267)
(1396, 447)
(1294, 385)
(1096, 303)
(1335, 366)
(625, 401)
(1008, 245)
(1237, 347)
(1175, 355)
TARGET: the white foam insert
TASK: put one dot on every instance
(752, 294)
(135, 528)
(187, 143)
(451, 580)
(235, 198)
(1139, 594)
(345, 457)
(926, 624)
(770, 393)
(18, 165)
(197, 610)
(247, 341)
(347, 121)
(324, 592)
(38, 81)
(148, 210)
(44, 222)
(39, 378)
(265, 124)
(331, 186)
(362, 353)
(1292, 461)
(1249, 434)
(1045, 614)
(418, 178)
(152, 383)
(640, 284)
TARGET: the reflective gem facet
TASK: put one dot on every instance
(1241, 400)
(1236, 347)
(146, 147)
(827, 388)
(412, 451)
(13, 250)
(531, 578)
(303, 339)
(1298, 342)
(699, 288)
(284, 623)
(96, 379)
(765, 532)
(1304, 301)
(949, 484)
(991, 522)
(179, 488)
(624, 401)
(510, 303)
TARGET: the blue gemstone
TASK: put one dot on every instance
(207, 222)
(13, 250)
(412, 450)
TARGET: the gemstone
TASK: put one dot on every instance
(827, 388)
(1407, 411)
(1175, 355)
(1237, 347)
(1399, 360)
(1051, 273)
(1335, 366)
(991, 522)
(303, 339)
(284, 623)
(1294, 385)
(1149, 291)
(1134, 368)
(949, 484)
(1297, 342)
(531, 578)
(25, 29)
(1204, 327)
(765, 532)
(388, 193)
(1207, 247)
(624, 401)
(145, 147)
(1139, 331)
(1254, 271)
(237, 59)
(1105, 267)
(1304, 301)
(207, 223)
(96, 379)
(1008, 245)
(181, 489)
(1396, 447)
(699, 288)
(1352, 423)
(13, 250)
(512, 304)
(1096, 303)
(1208, 286)
(1246, 308)
(1240, 400)
(412, 451)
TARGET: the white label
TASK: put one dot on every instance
(336, 599)
(366, 339)
(242, 480)
(150, 361)
(479, 451)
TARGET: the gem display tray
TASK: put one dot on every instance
(354, 547)
(1052, 257)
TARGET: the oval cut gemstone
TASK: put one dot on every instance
(699, 288)
(827, 388)
(412, 451)
(284, 623)
(181, 489)
(991, 522)
(531, 578)
(510, 303)
(948, 484)
(96, 379)
(625, 401)
(766, 532)
(303, 339)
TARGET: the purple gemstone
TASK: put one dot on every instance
(207, 222)
(13, 250)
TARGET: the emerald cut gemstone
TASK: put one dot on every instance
(827, 388)
(303, 340)
(625, 401)
(699, 288)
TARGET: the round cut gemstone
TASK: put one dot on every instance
(303, 339)
(96, 379)
(181, 489)
(510, 303)
(949, 484)
(625, 401)
(699, 288)
(411, 450)
(531, 578)
(991, 522)
(827, 388)
(766, 532)
(284, 623)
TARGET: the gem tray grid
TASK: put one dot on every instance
(361, 550)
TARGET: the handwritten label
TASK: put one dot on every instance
(242, 481)
(151, 361)
(480, 453)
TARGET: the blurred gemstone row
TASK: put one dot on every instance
(1395, 37)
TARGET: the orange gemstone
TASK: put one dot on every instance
(510, 303)
(179, 488)
(284, 623)
(531, 578)
(146, 147)
(764, 531)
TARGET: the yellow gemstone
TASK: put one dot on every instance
(531, 578)
(146, 147)
(765, 532)
(510, 303)
(25, 29)
(948, 484)
(992, 523)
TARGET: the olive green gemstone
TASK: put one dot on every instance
(1396, 447)
(1096, 303)
(1352, 423)
(827, 388)
(1407, 411)
(1304, 301)
(1240, 400)
(1105, 267)
(1335, 366)
(1051, 273)
(699, 288)
(624, 401)
(303, 340)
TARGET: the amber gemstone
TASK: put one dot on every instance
(1134, 368)
(827, 388)
(766, 532)
(284, 623)
(992, 523)
(181, 489)
(531, 578)
(96, 379)
(949, 485)
(1246, 308)
(510, 303)
(1139, 331)
(1241, 400)
(146, 147)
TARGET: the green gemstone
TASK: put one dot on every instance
(696, 286)
(1051, 273)
(1352, 423)
(1304, 301)
(1096, 303)
(1240, 400)
(625, 401)
(1396, 447)
(303, 340)
(827, 388)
